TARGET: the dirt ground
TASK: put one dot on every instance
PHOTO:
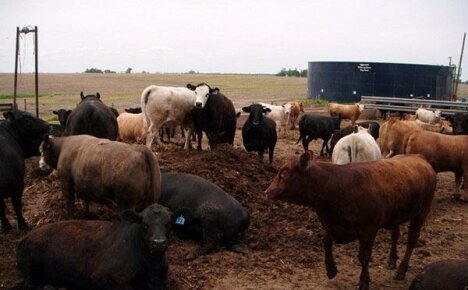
(283, 246)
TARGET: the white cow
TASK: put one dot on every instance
(356, 147)
(279, 114)
(428, 116)
(161, 105)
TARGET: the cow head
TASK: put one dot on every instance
(49, 158)
(286, 185)
(83, 97)
(202, 93)
(62, 115)
(155, 223)
(256, 112)
(28, 129)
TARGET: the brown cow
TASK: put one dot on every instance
(353, 201)
(351, 112)
(131, 127)
(394, 135)
(296, 109)
(102, 171)
(444, 153)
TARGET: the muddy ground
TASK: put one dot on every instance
(284, 242)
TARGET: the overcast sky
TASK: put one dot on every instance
(239, 36)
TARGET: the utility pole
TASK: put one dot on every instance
(459, 66)
(26, 30)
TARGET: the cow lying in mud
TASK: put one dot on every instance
(205, 212)
(353, 201)
(78, 254)
(102, 171)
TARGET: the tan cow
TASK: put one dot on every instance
(444, 153)
(394, 135)
(132, 127)
(351, 112)
(296, 109)
(353, 201)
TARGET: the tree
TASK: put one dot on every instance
(93, 70)
(129, 70)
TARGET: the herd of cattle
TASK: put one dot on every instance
(380, 177)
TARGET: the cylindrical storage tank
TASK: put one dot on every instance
(348, 81)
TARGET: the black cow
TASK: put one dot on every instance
(259, 131)
(79, 254)
(203, 212)
(92, 117)
(56, 130)
(62, 115)
(338, 134)
(441, 275)
(312, 127)
(460, 124)
(20, 137)
(217, 118)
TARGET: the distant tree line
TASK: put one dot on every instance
(94, 70)
(292, 73)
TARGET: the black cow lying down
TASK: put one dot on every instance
(203, 211)
(78, 254)
(441, 275)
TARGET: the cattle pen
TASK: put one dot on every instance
(385, 104)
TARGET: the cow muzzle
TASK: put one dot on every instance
(159, 245)
(43, 165)
(199, 105)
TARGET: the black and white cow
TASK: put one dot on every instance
(20, 137)
(214, 114)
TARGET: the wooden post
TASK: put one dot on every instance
(16, 68)
(459, 66)
(37, 75)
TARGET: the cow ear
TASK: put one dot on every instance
(238, 114)
(214, 92)
(55, 112)
(8, 115)
(355, 128)
(191, 87)
(98, 95)
(246, 109)
(81, 95)
(266, 110)
(130, 215)
(305, 158)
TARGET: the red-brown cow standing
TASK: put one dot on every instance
(353, 201)
(444, 153)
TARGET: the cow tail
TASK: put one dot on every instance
(144, 100)
(154, 186)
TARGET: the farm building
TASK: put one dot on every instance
(348, 81)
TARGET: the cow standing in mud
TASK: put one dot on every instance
(353, 201)
(102, 171)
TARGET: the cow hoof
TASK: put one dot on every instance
(23, 226)
(7, 227)
(190, 257)
(459, 197)
(331, 272)
(399, 276)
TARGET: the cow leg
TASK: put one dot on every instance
(330, 264)
(324, 144)
(271, 150)
(413, 236)
(392, 258)
(16, 201)
(199, 134)
(366, 241)
(151, 134)
(211, 243)
(6, 226)
(188, 143)
(69, 195)
(305, 142)
(458, 182)
(260, 154)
